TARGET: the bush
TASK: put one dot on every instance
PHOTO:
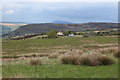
(35, 62)
(52, 34)
(117, 54)
(70, 60)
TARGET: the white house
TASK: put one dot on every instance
(60, 34)
(71, 35)
(96, 31)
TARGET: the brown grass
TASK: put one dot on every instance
(70, 60)
(108, 50)
(36, 55)
(95, 60)
(35, 62)
(117, 54)
(105, 60)
(88, 59)
(51, 56)
(62, 52)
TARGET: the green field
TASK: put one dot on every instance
(43, 45)
(52, 68)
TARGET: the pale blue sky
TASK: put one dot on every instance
(44, 12)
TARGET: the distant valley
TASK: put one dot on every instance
(7, 27)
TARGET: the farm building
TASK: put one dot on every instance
(60, 34)
(71, 35)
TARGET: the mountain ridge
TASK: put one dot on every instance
(63, 22)
(45, 27)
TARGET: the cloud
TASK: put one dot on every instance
(9, 11)
(11, 5)
(64, 11)
(10, 8)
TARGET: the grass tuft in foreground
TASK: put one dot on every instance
(88, 59)
(35, 62)
(117, 54)
(70, 60)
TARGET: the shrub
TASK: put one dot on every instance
(52, 34)
(35, 62)
(117, 54)
(70, 60)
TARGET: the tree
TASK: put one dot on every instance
(74, 33)
(66, 33)
(52, 34)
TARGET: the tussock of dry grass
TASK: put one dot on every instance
(62, 52)
(108, 50)
(88, 59)
(35, 62)
(70, 60)
(105, 60)
(95, 60)
(51, 56)
(75, 52)
(117, 54)
(36, 55)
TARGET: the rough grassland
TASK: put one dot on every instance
(42, 45)
(52, 68)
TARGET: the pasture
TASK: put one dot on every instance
(18, 53)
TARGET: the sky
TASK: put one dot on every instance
(46, 11)
(59, 0)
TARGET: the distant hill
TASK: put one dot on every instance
(4, 29)
(13, 22)
(45, 27)
(12, 25)
(63, 22)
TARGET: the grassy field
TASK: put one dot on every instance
(60, 71)
(52, 68)
(43, 45)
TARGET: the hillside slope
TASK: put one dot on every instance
(45, 27)
(4, 29)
